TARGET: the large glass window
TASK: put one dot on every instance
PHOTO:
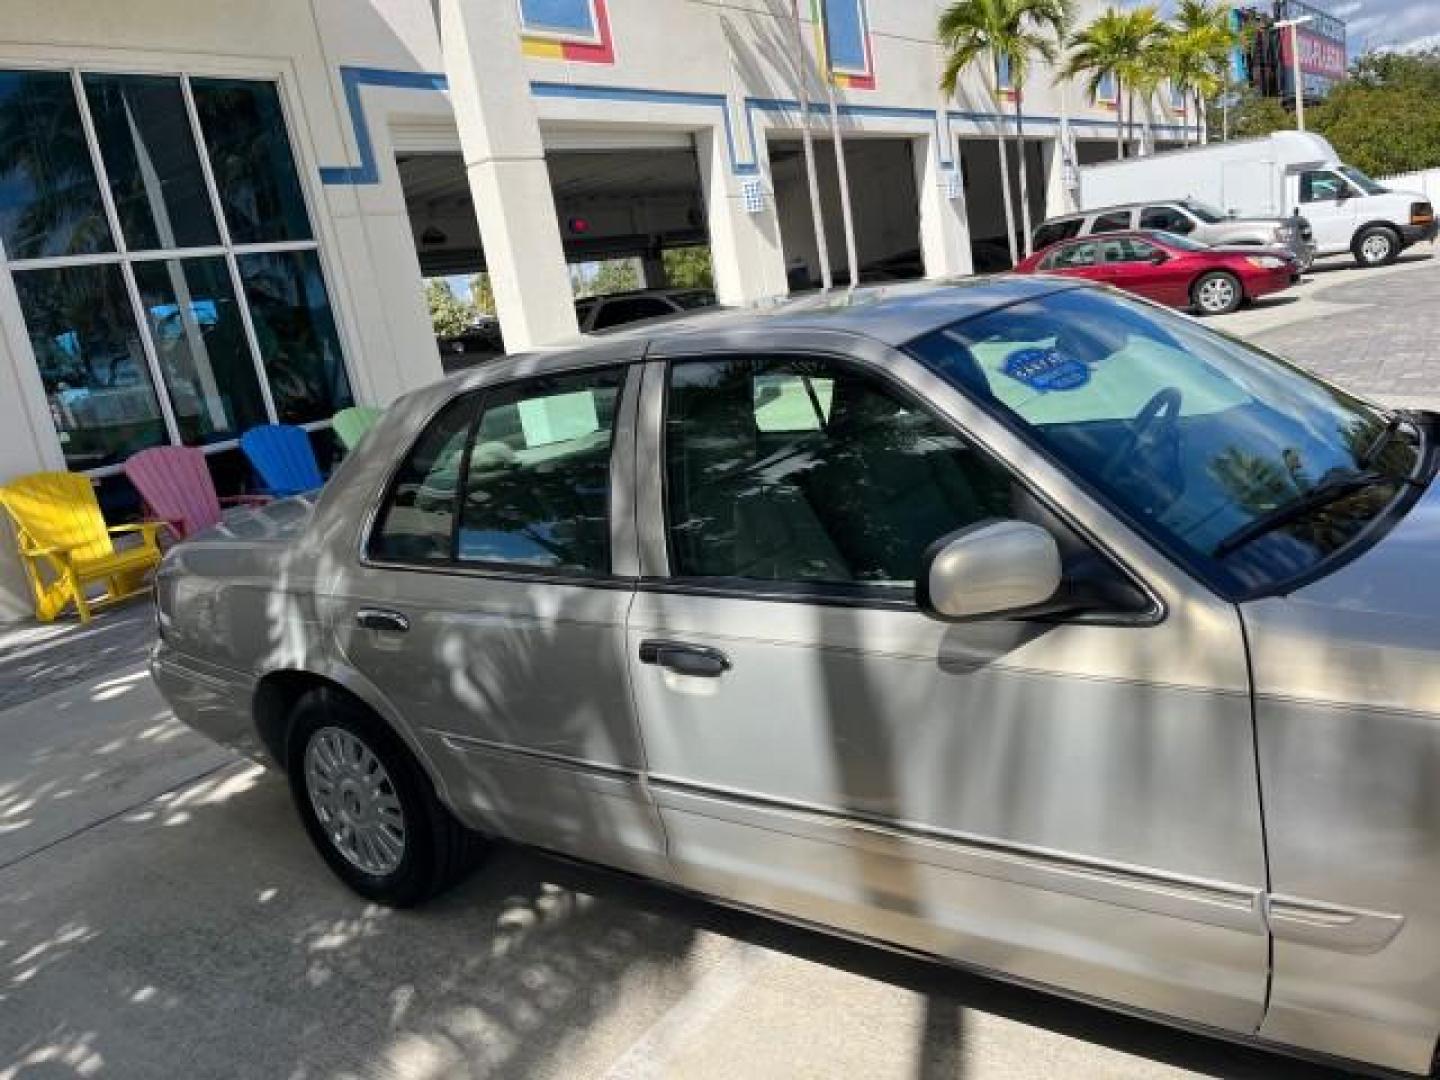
(49, 199)
(156, 230)
(807, 471)
(203, 353)
(297, 335)
(250, 154)
(151, 161)
(92, 361)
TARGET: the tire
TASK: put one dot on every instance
(1377, 245)
(1217, 293)
(368, 807)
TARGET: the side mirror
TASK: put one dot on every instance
(990, 570)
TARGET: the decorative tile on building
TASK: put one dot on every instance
(576, 30)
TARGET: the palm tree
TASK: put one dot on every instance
(1003, 32)
(1116, 45)
(1203, 29)
(1149, 69)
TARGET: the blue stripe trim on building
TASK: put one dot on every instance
(352, 78)
(367, 171)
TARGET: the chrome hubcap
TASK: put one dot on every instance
(1375, 248)
(355, 801)
(1217, 295)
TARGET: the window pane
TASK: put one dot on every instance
(538, 487)
(249, 149)
(1113, 222)
(204, 356)
(419, 515)
(49, 199)
(298, 342)
(856, 499)
(82, 329)
(151, 161)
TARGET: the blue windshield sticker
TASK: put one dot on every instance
(1046, 369)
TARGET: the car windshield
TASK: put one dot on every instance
(1363, 182)
(1204, 211)
(1195, 438)
(1182, 243)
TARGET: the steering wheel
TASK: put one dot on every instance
(1163, 408)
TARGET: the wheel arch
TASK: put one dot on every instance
(1379, 223)
(278, 691)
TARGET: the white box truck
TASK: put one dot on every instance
(1282, 174)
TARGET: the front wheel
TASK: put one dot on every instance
(1217, 293)
(1377, 246)
(368, 807)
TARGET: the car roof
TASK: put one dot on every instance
(1080, 215)
(890, 314)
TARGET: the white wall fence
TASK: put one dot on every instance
(1427, 182)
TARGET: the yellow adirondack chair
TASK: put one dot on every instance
(66, 545)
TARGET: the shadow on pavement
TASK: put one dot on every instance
(199, 935)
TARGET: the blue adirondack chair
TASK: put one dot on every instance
(282, 458)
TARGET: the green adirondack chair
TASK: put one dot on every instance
(350, 425)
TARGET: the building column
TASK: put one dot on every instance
(745, 250)
(1059, 176)
(505, 163)
(944, 227)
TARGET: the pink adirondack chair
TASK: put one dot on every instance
(175, 484)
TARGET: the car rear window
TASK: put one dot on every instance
(1115, 221)
(1052, 232)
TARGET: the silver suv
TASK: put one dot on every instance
(1185, 217)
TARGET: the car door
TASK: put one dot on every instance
(488, 605)
(1132, 265)
(1072, 803)
(1325, 199)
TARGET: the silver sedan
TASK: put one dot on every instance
(1017, 623)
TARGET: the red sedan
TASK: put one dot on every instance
(1171, 269)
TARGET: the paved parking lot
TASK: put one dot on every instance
(161, 914)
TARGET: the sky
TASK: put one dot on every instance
(1373, 24)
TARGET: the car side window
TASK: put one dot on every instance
(537, 482)
(417, 520)
(798, 471)
(1074, 257)
(1052, 232)
(1128, 249)
(1115, 221)
(1320, 186)
(1166, 219)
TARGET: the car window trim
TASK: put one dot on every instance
(857, 594)
(489, 568)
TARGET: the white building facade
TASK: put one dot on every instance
(218, 213)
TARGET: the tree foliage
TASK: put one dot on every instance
(449, 314)
(1386, 118)
(688, 268)
(1251, 116)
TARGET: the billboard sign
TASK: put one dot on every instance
(1323, 57)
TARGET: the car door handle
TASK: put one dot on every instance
(683, 659)
(379, 619)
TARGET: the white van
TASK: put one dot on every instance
(1285, 173)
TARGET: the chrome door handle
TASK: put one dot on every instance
(683, 659)
(379, 619)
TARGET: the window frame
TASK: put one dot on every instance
(621, 532)
(125, 258)
(833, 594)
